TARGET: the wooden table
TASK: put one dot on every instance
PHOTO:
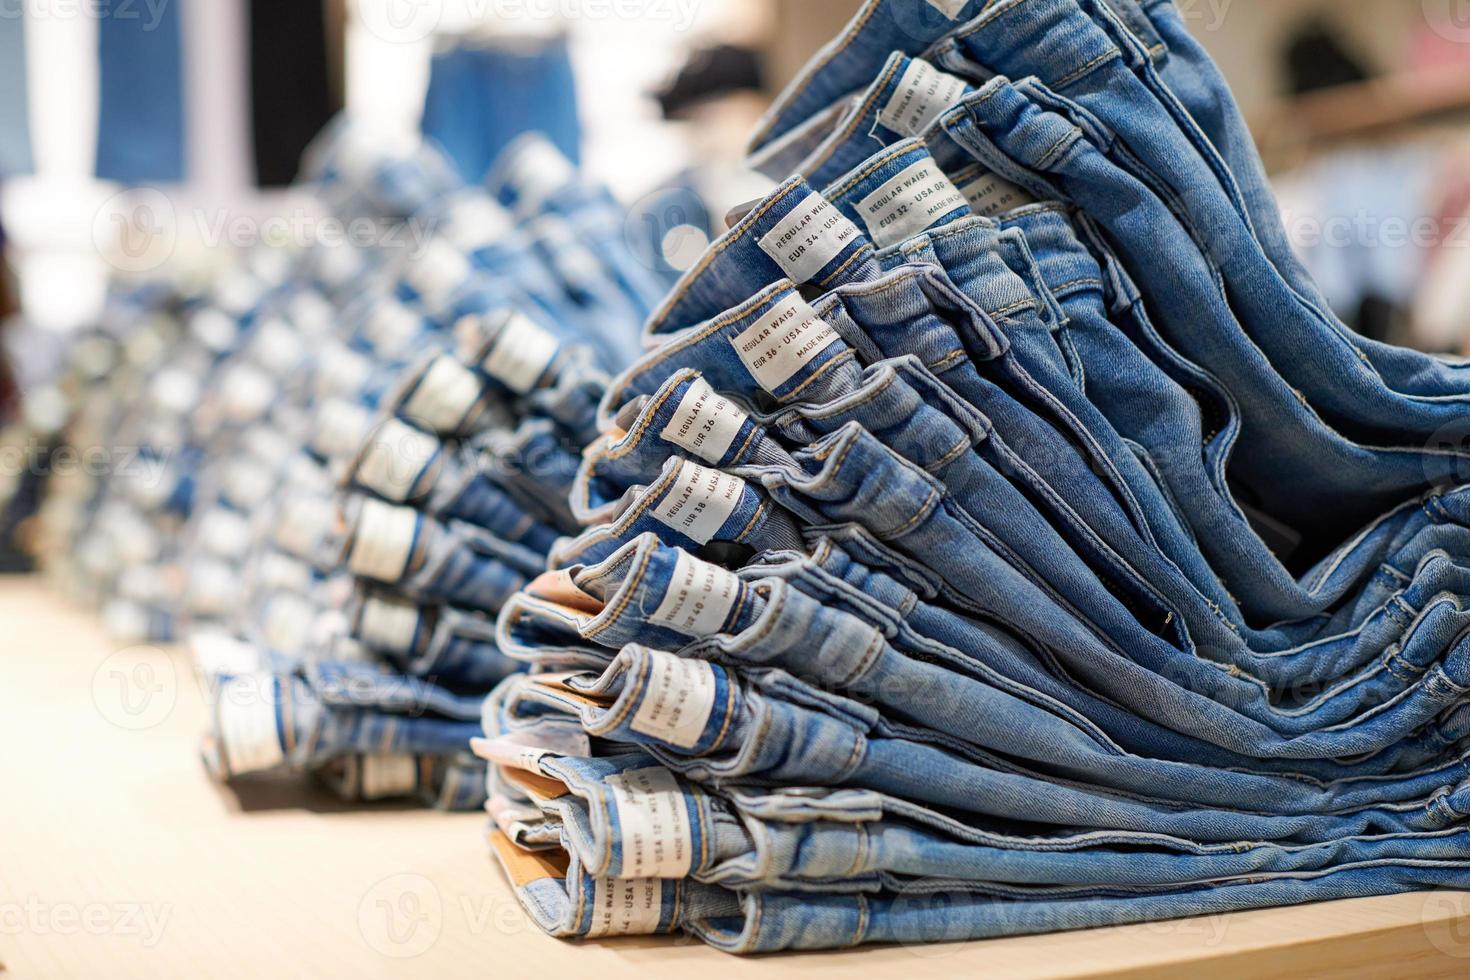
(121, 858)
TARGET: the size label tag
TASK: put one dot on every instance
(521, 354)
(625, 906)
(923, 93)
(225, 533)
(287, 622)
(698, 599)
(248, 483)
(302, 523)
(992, 195)
(388, 775)
(526, 749)
(247, 724)
(813, 234)
(655, 833)
(444, 396)
(437, 272)
(705, 423)
(394, 459)
(699, 502)
(677, 700)
(537, 170)
(949, 8)
(388, 624)
(909, 202)
(476, 222)
(384, 540)
(777, 345)
(392, 327)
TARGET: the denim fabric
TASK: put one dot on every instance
(766, 726)
(140, 119)
(484, 94)
(452, 646)
(768, 622)
(1343, 483)
(847, 64)
(329, 709)
(15, 126)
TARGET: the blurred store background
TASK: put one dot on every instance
(148, 136)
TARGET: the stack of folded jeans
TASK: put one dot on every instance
(379, 435)
(999, 535)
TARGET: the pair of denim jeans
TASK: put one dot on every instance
(375, 440)
(935, 507)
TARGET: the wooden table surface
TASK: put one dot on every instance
(121, 858)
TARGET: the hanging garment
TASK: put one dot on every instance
(140, 129)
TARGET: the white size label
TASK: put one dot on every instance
(625, 906)
(698, 599)
(388, 624)
(474, 222)
(384, 541)
(388, 775)
(653, 820)
(437, 272)
(909, 202)
(341, 427)
(705, 423)
(392, 327)
(225, 533)
(526, 748)
(784, 339)
(394, 459)
(949, 8)
(444, 395)
(287, 621)
(302, 523)
(991, 195)
(923, 92)
(677, 700)
(247, 724)
(521, 354)
(699, 501)
(813, 234)
(537, 170)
